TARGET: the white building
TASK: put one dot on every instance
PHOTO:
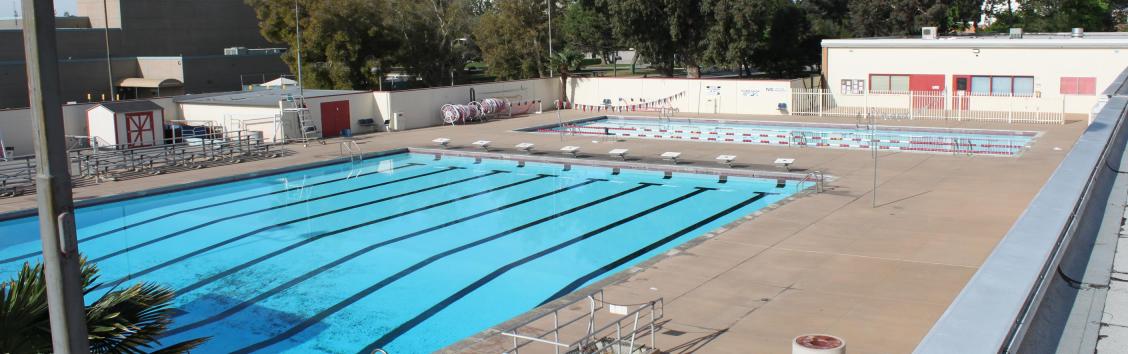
(1062, 69)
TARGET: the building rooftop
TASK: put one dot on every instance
(258, 98)
(130, 106)
(1098, 40)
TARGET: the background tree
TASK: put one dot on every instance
(434, 37)
(512, 36)
(585, 26)
(644, 26)
(787, 50)
(344, 39)
(564, 62)
(1055, 15)
(879, 18)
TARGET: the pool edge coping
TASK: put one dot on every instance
(466, 344)
(633, 165)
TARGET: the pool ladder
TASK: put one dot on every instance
(815, 176)
(378, 351)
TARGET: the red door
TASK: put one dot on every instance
(334, 118)
(928, 91)
(961, 92)
(139, 129)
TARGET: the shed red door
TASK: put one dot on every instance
(334, 118)
(929, 90)
(140, 130)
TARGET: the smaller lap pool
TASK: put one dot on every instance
(823, 135)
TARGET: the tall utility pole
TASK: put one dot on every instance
(298, 32)
(549, 3)
(52, 182)
(109, 63)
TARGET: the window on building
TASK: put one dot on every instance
(897, 83)
(1002, 85)
(1078, 85)
(1023, 86)
(981, 85)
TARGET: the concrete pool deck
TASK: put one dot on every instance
(826, 263)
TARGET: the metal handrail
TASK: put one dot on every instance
(816, 176)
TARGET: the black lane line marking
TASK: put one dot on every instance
(317, 318)
(236, 216)
(415, 321)
(166, 215)
(619, 262)
(337, 262)
(261, 229)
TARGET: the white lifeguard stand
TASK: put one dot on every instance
(307, 128)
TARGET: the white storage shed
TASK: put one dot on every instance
(130, 123)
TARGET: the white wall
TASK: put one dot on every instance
(1047, 66)
(227, 116)
(420, 108)
(734, 96)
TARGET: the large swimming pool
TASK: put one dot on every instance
(793, 134)
(401, 252)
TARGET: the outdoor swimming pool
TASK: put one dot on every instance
(401, 252)
(823, 135)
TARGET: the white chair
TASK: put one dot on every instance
(484, 144)
(526, 147)
(571, 150)
(442, 142)
(785, 163)
(726, 159)
(671, 156)
(620, 153)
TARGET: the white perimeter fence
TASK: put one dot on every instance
(929, 105)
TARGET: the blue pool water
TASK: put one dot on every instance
(400, 252)
(822, 135)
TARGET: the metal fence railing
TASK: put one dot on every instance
(92, 161)
(626, 329)
(941, 105)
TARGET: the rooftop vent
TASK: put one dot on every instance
(1078, 32)
(1015, 33)
(928, 33)
(235, 51)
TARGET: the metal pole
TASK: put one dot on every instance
(53, 184)
(298, 32)
(109, 63)
(873, 146)
(549, 3)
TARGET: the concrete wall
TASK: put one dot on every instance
(1047, 66)
(732, 96)
(420, 108)
(362, 105)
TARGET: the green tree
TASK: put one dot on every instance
(122, 321)
(434, 37)
(585, 26)
(1056, 15)
(644, 26)
(342, 39)
(786, 53)
(878, 18)
(564, 62)
(512, 36)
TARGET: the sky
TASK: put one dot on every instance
(61, 6)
